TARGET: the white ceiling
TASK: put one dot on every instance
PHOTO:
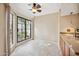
(23, 8)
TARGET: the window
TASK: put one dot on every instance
(23, 29)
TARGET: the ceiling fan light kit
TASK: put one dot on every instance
(34, 10)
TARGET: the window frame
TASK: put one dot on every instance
(11, 27)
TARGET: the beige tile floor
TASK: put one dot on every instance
(37, 48)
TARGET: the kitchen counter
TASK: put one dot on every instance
(71, 42)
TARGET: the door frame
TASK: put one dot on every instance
(7, 38)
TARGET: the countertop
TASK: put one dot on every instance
(72, 42)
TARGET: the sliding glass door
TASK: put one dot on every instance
(23, 29)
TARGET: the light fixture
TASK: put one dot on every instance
(68, 30)
(34, 10)
(71, 18)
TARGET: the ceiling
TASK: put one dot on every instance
(23, 8)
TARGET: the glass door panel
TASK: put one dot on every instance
(24, 29)
(28, 29)
(21, 29)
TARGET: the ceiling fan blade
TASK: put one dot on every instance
(38, 6)
(39, 10)
(30, 9)
(34, 4)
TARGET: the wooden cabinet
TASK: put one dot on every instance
(65, 49)
(72, 53)
(62, 46)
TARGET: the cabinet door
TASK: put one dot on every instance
(72, 53)
(67, 50)
(62, 46)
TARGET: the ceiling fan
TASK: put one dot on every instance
(36, 8)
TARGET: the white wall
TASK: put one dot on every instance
(2, 29)
(46, 32)
(46, 28)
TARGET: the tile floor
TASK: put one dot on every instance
(37, 48)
